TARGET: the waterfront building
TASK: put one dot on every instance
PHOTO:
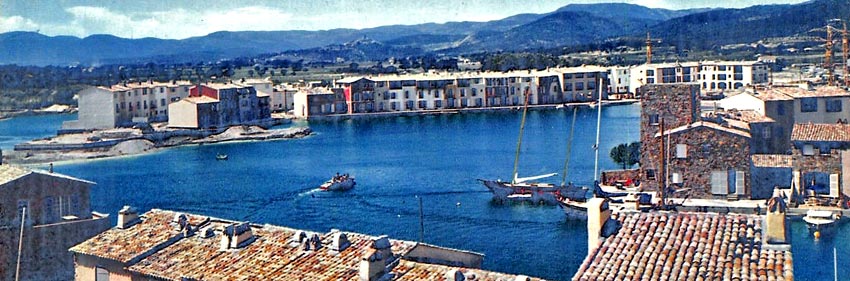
(686, 246)
(167, 245)
(58, 215)
(618, 81)
(711, 76)
(316, 102)
(125, 104)
(442, 91)
(821, 161)
(218, 105)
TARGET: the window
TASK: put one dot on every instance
(766, 132)
(650, 174)
(568, 86)
(719, 183)
(579, 86)
(161, 90)
(653, 119)
(650, 73)
(162, 102)
(833, 105)
(681, 151)
(437, 94)
(423, 104)
(438, 103)
(808, 105)
(406, 94)
(808, 149)
(474, 92)
(706, 150)
(825, 149)
(677, 178)
(101, 274)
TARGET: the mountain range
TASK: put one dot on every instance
(574, 24)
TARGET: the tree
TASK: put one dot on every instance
(626, 154)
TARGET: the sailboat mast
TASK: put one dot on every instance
(569, 148)
(598, 124)
(519, 140)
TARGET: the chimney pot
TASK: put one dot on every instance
(127, 217)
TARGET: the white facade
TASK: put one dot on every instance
(96, 110)
(712, 76)
(618, 80)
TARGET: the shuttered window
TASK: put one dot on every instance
(833, 185)
(719, 185)
(739, 183)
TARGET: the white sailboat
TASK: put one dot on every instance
(524, 188)
(820, 221)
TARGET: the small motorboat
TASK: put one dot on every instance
(221, 156)
(820, 221)
(339, 183)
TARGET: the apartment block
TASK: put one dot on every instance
(218, 105)
(711, 76)
(126, 104)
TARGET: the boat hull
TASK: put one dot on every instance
(574, 210)
(342, 185)
(539, 193)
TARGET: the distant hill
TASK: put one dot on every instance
(727, 26)
(575, 24)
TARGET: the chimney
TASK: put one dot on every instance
(236, 236)
(127, 217)
(374, 263)
(372, 266)
(775, 220)
(455, 275)
(597, 214)
(340, 241)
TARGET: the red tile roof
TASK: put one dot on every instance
(686, 246)
(156, 248)
(821, 132)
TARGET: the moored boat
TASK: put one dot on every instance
(221, 156)
(820, 221)
(339, 183)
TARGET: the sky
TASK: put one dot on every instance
(176, 19)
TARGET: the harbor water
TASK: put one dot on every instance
(396, 161)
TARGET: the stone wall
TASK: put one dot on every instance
(609, 177)
(708, 150)
(674, 104)
(827, 163)
(45, 249)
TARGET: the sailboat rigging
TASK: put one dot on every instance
(522, 187)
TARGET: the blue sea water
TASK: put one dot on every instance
(20, 129)
(396, 161)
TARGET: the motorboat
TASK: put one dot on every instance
(819, 221)
(339, 183)
(221, 156)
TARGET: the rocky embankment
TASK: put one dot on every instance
(123, 142)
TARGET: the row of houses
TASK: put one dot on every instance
(788, 137)
(180, 103)
(447, 91)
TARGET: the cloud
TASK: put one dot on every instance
(173, 24)
(17, 23)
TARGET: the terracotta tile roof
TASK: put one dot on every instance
(414, 271)
(156, 229)
(772, 160)
(821, 132)
(156, 248)
(686, 246)
(710, 125)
